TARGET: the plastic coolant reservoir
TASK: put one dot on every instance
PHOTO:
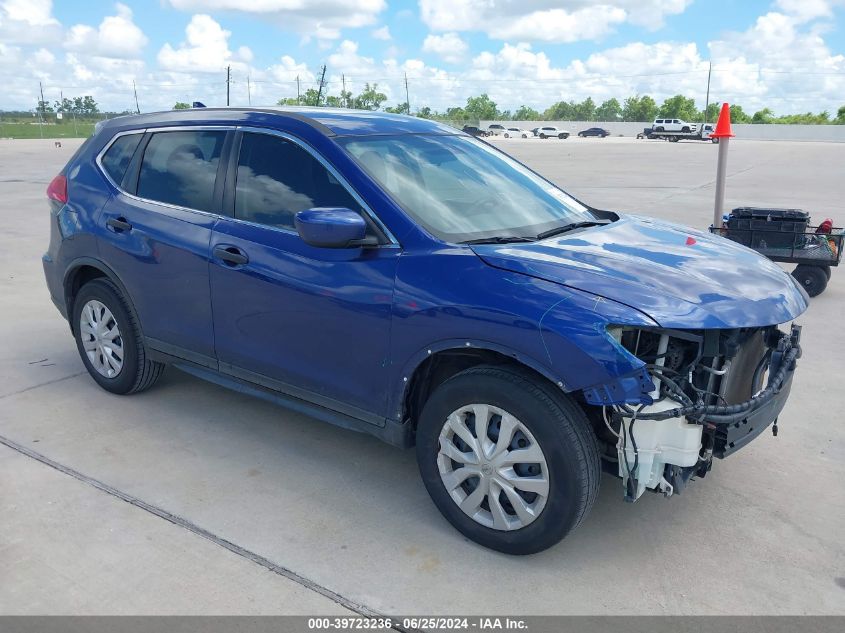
(659, 442)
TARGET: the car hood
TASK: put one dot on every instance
(679, 277)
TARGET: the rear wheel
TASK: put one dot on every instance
(109, 340)
(509, 461)
(673, 139)
(812, 278)
(542, 136)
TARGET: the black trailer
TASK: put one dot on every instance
(785, 235)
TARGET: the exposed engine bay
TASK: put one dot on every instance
(710, 393)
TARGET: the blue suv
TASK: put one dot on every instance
(395, 276)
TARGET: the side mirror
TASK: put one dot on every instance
(330, 227)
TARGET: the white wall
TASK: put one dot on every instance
(743, 131)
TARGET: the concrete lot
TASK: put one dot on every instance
(762, 534)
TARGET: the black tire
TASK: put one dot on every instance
(542, 136)
(560, 428)
(812, 278)
(827, 271)
(685, 130)
(658, 129)
(506, 136)
(563, 136)
(673, 139)
(138, 372)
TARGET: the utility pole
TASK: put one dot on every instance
(407, 100)
(707, 100)
(248, 91)
(298, 101)
(343, 91)
(320, 89)
(41, 111)
(228, 81)
(135, 90)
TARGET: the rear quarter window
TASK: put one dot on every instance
(180, 168)
(116, 159)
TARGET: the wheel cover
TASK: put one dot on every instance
(492, 467)
(101, 339)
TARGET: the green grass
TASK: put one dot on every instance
(34, 130)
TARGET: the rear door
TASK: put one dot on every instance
(311, 322)
(157, 234)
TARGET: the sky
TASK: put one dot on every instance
(788, 55)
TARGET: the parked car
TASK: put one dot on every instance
(673, 125)
(494, 129)
(515, 132)
(594, 131)
(392, 276)
(473, 131)
(549, 131)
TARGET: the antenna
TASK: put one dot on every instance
(407, 100)
(248, 92)
(228, 81)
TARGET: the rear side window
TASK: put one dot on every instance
(117, 157)
(180, 168)
(277, 179)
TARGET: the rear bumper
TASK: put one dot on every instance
(54, 285)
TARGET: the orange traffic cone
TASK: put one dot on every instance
(723, 125)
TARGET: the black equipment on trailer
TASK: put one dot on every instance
(785, 235)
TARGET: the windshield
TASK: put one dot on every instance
(460, 189)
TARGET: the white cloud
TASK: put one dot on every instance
(28, 22)
(117, 36)
(806, 10)
(381, 33)
(449, 46)
(546, 20)
(323, 19)
(205, 49)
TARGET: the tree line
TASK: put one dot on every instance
(634, 108)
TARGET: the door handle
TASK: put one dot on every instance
(119, 224)
(231, 255)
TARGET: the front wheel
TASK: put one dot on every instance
(109, 340)
(511, 462)
(812, 278)
(563, 135)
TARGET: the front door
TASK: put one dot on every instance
(314, 321)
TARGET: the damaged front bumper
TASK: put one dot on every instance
(710, 395)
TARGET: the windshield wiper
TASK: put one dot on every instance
(499, 239)
(569, 227)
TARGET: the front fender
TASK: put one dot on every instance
(454, 300)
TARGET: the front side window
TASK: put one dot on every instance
(116, 159)
(460, 189)
(277, 178)
(180, 168)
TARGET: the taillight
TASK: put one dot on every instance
(57, 189)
